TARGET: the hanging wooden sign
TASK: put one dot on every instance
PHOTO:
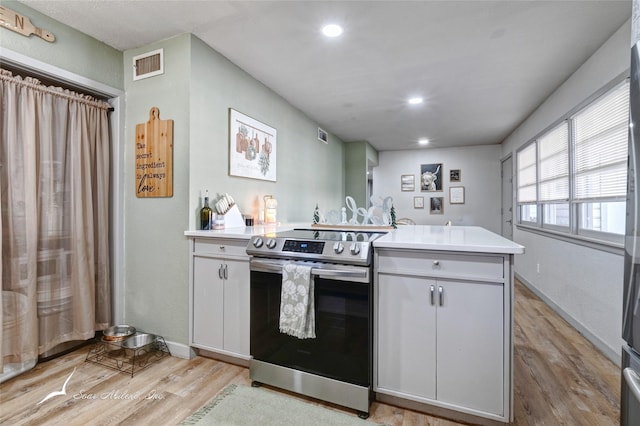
(154, 157)
(14, 21)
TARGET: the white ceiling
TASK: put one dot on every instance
(482, 66)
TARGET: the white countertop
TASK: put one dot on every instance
(448, 238)
(246, 232)
(419, 237)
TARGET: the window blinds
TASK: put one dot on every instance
(527, 174)
(553, 151)
(600, 146)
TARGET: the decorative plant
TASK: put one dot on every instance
(316, 215)
(393, 217)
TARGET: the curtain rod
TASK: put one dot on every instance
(34, 83)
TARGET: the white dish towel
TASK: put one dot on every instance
(297, 316)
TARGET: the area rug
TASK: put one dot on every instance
(240, 405)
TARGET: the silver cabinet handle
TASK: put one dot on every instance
(220, 272)
(222, 248)
(440, 295)
(432, 294)
(633, 381)
(226, 271)
(436, 263)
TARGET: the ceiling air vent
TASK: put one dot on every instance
(148, 64)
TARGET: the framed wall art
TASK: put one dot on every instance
(454, 175)
(407, 182)
(252, 147)
(436, 205)
(323, 136)
(418, 202)
(431, 177)
(456, 195)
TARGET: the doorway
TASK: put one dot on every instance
(56, 259)
(506, 172)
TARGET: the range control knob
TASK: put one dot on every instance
(257, 243)
(355, 249)
(271, 243)
(338, 247)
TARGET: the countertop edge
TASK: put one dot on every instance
(479, 240)
(446, 247)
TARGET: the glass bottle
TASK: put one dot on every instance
(206, 213)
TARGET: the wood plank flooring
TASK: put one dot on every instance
(559, 379)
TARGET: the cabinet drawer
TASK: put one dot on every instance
(220, 246)
(441, 264)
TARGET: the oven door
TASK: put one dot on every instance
(342, 349)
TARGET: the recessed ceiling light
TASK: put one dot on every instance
(423, 141)
(415, 101)
(332, 30)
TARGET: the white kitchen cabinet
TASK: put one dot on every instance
(220, 296)
(443, 331)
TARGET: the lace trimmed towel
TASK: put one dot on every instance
(297, 316)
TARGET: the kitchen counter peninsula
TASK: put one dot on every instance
(443, 321)
(443, 314)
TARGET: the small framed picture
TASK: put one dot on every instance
(456, 195)
(408, 182)
(436, 205)
(454, 175)
(323, 136)
(418, 202)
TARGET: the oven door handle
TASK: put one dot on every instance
(263, 266)
(321, 272)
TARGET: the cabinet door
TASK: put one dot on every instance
(236, 307)
(207, 303)
(406, 336)
(471, 345)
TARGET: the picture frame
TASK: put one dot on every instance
(431, 177)
(407, 183)
(323, 136)
(454, 175)
(418, 202)
(456, 195)
(436, 205)
(252, 147)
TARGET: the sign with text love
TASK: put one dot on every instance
(154, 157)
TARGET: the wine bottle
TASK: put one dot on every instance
(206, 213)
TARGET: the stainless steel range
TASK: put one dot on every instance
(335, 366)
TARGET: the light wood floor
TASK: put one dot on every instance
(559, 378)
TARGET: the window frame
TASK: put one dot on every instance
(572, 231)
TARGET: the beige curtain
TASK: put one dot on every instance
(54, 187)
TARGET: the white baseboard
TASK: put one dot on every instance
(595, 340)
(180, 350)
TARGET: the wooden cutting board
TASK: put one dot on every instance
(154, 157)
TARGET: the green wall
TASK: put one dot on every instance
(156, 251)
(308, 171)
(196, 91)
(72, 50)
(359, 156)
